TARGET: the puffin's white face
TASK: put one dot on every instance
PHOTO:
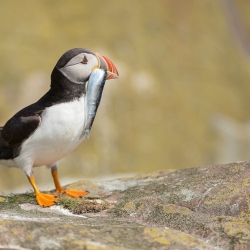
(80, 67)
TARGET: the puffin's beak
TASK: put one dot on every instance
(106, 64)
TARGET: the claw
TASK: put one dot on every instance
(75, 193)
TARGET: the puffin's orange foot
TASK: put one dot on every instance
(46, 200)
(75, 193)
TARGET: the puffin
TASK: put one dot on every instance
(51, 128)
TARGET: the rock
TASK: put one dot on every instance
(198, 208)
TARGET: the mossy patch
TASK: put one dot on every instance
(16, 199)
(76, 206)
(83, 206)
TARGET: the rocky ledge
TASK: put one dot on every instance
(197, 208)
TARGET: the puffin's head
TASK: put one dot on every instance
(77, 65)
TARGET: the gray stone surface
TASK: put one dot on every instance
(198, 208)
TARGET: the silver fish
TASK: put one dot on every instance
(95, 87)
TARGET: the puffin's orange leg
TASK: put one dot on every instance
(60, 189)
(44, 200)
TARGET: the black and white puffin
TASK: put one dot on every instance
(49, 129)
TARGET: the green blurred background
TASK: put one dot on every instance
(182, 99)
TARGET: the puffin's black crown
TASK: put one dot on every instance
(68, 55)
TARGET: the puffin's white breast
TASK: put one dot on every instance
(58, 134)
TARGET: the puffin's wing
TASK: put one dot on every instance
(21, 126)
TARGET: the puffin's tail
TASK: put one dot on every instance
(6, 153)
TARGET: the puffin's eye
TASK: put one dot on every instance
(84, 60)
